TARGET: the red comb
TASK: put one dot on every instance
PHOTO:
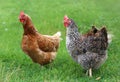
(66, 17)
(21, 13)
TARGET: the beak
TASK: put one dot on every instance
(20, 19)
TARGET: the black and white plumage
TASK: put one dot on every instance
(89, 50)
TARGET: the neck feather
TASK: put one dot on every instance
(29, 27)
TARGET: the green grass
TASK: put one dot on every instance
(47, 15)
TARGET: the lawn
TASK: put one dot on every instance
(47, 16)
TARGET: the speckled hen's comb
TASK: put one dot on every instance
(66, 17)
(67, 21)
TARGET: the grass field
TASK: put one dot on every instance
(47, 15)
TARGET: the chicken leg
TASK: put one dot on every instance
(90, 72)
(87, 72)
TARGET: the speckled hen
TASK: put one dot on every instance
(90, 49)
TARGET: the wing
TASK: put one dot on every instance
(98, 42)
(48, 44)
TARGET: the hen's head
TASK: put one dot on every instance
(23, 17)
(67, 21)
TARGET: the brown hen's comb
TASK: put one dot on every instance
(21, 13)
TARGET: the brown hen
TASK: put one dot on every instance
(42, 49)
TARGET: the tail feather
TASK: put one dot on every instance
(58, 34)
(110, 38)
